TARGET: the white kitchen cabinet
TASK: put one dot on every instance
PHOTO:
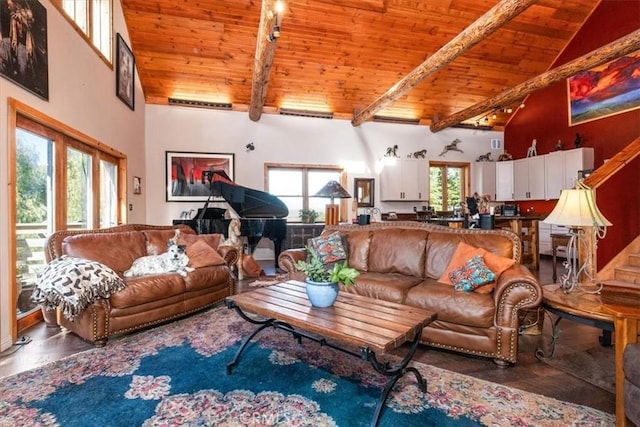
(504, 181)
(404, 180)
(574, 161)
(529, 178)
(562, 168)
(554, 174)
(484, 179)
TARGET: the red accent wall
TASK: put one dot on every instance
(545, 118)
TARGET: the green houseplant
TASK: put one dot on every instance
(308, 216)
(322, 283)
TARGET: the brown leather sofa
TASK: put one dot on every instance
(146, 300)
(402, 262)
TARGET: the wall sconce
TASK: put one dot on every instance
(250, 147)
(276, 14)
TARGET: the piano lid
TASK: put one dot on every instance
(247, 202)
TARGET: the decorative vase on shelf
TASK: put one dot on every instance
(322, 294)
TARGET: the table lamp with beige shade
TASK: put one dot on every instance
(577, 209)
(332, 190)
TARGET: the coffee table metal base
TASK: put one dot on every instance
(394, 372)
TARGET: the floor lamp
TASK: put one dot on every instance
(577, 209)
(332, 190)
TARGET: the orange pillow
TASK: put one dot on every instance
(465, 252)
(213, 240)
(202, 255)
(250, 267)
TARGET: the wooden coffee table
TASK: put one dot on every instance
(373, 326)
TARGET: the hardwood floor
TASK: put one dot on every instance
(50, 344)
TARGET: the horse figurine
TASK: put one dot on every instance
(233, 239)
(532, 151)
(452, 147)
(485, 158)
(392, 151)
(422, 154)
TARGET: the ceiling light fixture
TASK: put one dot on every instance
(277, 15)
(400, 120)
(306, 113)
(200, 104)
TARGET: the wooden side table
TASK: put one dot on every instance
(558, 240)
(589, 309)
(626, 319)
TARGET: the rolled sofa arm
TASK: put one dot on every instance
(229, 253)
(516, 289)
(288, 258)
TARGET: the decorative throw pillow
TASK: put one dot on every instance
(473, 274)
(250, 267)
(73, 284)
(202, 255)
(329, 248)
(464, 252)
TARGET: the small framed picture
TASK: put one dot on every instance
(137, 185)
(125, 73)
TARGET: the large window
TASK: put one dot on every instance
(92, 18)
(295, 185)
(448, 185)
(63, 180)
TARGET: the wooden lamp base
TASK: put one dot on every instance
(332, 214)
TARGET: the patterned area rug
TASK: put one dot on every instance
(596, 366)
(175, 375)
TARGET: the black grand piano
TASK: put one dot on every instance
(261, 214)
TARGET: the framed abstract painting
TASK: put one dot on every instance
(603, 91)
(188, 174)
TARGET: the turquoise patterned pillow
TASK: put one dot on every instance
(473, 274)
(329, 248)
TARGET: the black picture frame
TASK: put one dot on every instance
(185, 181)
(125, 73)
(364, 192)
(25, 64)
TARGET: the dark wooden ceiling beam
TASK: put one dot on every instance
(623, 46)
(488, 23)
(265, 50)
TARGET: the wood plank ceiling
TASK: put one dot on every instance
(339, 56)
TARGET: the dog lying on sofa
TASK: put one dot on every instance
(174, 260)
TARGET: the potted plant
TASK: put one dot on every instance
(322, 283)
(308, 216)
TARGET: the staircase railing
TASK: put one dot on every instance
(597, 179)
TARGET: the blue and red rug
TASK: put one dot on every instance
(175, 375)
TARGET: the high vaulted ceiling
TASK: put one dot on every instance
(342, 56)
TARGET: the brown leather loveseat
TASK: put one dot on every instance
(402, 262)
(146, 300)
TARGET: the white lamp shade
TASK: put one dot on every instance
(577, 208)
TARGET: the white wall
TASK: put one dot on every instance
(81, 96)
(288, 139)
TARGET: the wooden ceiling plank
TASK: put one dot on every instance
(623, 46)
(476, 32)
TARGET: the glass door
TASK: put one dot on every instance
(34, 212)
